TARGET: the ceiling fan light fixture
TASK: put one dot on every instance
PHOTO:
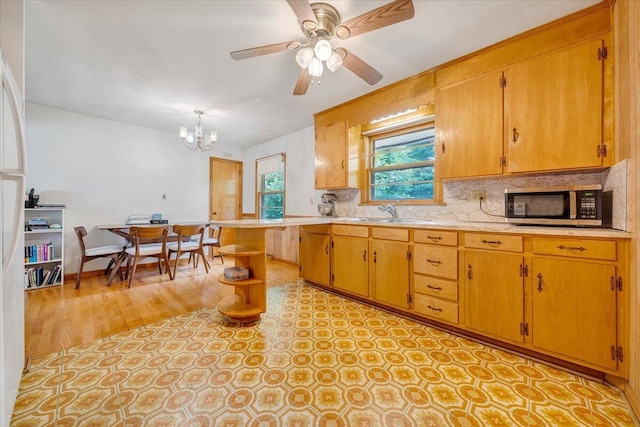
(316, 68)
(323, 49)
(304, 57)
(334, 62)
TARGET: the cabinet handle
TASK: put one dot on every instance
(375, 256)
(435, 288)
(434, 309)
(443, 148)
(434, 261)
(343, 164)
(434, 238)
(492, 242)
(469, 275)
(326, 249)
(539, 276)
(571, 248)
(364, 255)
(516, 135)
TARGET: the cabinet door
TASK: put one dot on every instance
(390, 272)
(331, 155)
(574, 309)
(314, 258)
(350, 264)
(555, 111)
(494, 294)
(469, 127)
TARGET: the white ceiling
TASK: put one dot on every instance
(134, 61)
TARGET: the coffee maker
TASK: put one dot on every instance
(328, 205)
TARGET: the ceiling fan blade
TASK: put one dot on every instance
(303, 82)
(392, 13)
(363, 70)
(302, 9)
(263, 50)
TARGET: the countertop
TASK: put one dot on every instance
(491, 227)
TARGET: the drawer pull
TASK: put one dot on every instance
(571, 248)
(434, 308)
(435, 288)
(434, 261)
(434, 238)
(469, 275)
(492, 242)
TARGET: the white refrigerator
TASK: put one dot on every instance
(12, 193)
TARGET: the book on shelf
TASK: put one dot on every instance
(39, 252)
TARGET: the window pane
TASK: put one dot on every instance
(273, 182)
(271, 205)
(402, 191)
(402, 166)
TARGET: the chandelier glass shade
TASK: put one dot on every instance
(197, 139)
(312, 58)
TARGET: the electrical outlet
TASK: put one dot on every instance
(164, 196)
(476, 195)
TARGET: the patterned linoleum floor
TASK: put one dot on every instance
(315, 359)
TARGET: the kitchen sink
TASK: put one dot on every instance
(393, 220)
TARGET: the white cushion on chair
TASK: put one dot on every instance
(209, 241)
(184, 246)
(103, 250)
(147, 249)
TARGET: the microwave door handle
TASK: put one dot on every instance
(572, 204)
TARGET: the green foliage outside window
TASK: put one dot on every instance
(272, 196)
(402, 166)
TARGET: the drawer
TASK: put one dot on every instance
(500, 242)
(436, 287)
(436, 308)
(436, 261)
(316, 229)
(350, 230)
(436, 237)
(390, 233)
(579, 248)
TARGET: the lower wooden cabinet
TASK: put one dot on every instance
(350, 262)
(314, 256)
(494, 294)
(390, 272)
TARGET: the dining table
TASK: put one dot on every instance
(122, 230)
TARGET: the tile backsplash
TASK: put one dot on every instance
(459, 207)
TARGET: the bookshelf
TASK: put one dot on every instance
(43, 247)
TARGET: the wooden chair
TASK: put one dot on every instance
(212, 241)
(190, 240)
(148, 242)
(113, 252)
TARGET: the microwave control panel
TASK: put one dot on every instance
(588, 202)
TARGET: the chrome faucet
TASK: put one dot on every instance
(389, 208)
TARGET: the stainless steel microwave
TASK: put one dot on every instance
(580, 206)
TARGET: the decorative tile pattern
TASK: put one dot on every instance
(315, 359)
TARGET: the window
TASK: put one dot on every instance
(402, 164)
(270, 185)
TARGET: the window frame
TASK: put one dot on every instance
(260, 182)
(389, 130)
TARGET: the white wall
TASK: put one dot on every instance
(104, 170)
(301, 197)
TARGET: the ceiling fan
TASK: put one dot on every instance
(321, 22)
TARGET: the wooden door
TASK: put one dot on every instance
(314, 257)
(390, 272)
(555, 106)
(574, 309)
(469, 130)
(331, 156)
(494, 294)
(350, 264)
(225, 192)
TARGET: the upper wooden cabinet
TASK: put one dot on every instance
(331, 155)
(469, 127)
(552, 117)
(555, 111)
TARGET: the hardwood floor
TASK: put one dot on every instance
(61, 317)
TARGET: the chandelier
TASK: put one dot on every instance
(312, 58)
(196, 139)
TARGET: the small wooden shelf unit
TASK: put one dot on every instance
(250, 298)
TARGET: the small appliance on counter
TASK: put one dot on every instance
(328, 205)
(577, 205)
